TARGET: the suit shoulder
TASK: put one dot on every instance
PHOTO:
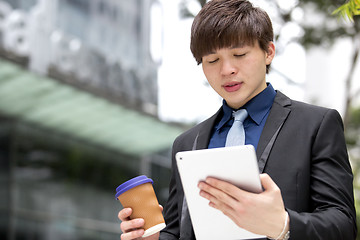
(302, 108)
(190, 133)
(187, 138)
(308, 107)
(314, 110)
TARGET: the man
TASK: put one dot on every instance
(306, 175)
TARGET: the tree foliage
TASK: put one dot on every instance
(185, 11)
(352, 134)
(348, 10)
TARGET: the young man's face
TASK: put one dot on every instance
(238, 74)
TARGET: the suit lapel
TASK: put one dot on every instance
(203, 137)
(277, 116)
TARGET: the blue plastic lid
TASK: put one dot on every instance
(131, 184)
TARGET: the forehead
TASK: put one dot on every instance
(231, 42)
(231, 47)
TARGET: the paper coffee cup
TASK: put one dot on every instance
(138, 193)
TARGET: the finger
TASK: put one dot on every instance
(124, 214)
(228, 206)
(227, 187)
(133, 234)
(217, 197)
(129, 225)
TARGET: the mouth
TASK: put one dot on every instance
(232, 86)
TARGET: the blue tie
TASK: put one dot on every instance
(236, 134)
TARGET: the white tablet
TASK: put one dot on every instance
(237, 165)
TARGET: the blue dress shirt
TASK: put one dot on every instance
(258, 109)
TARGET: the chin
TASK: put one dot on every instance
(236, 103)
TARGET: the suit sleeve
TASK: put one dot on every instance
(171, 211)
(332, 212)
(172, 229)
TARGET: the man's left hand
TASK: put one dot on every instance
(263, 213)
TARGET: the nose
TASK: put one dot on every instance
(228, 68)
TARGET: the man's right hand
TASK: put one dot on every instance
(133, 228)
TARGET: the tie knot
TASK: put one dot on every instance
(240, 115)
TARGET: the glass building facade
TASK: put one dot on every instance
(78, 103)
(56, 189)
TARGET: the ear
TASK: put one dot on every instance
(270, 53)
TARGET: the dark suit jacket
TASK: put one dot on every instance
(302, 148)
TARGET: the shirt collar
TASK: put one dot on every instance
(257, 107)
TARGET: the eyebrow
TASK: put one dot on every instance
(209, 53)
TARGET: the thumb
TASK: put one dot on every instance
(267, 182)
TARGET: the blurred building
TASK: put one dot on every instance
(78, 115)
(99, 44)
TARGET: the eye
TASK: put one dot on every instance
(213, 61)
(239, 55)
